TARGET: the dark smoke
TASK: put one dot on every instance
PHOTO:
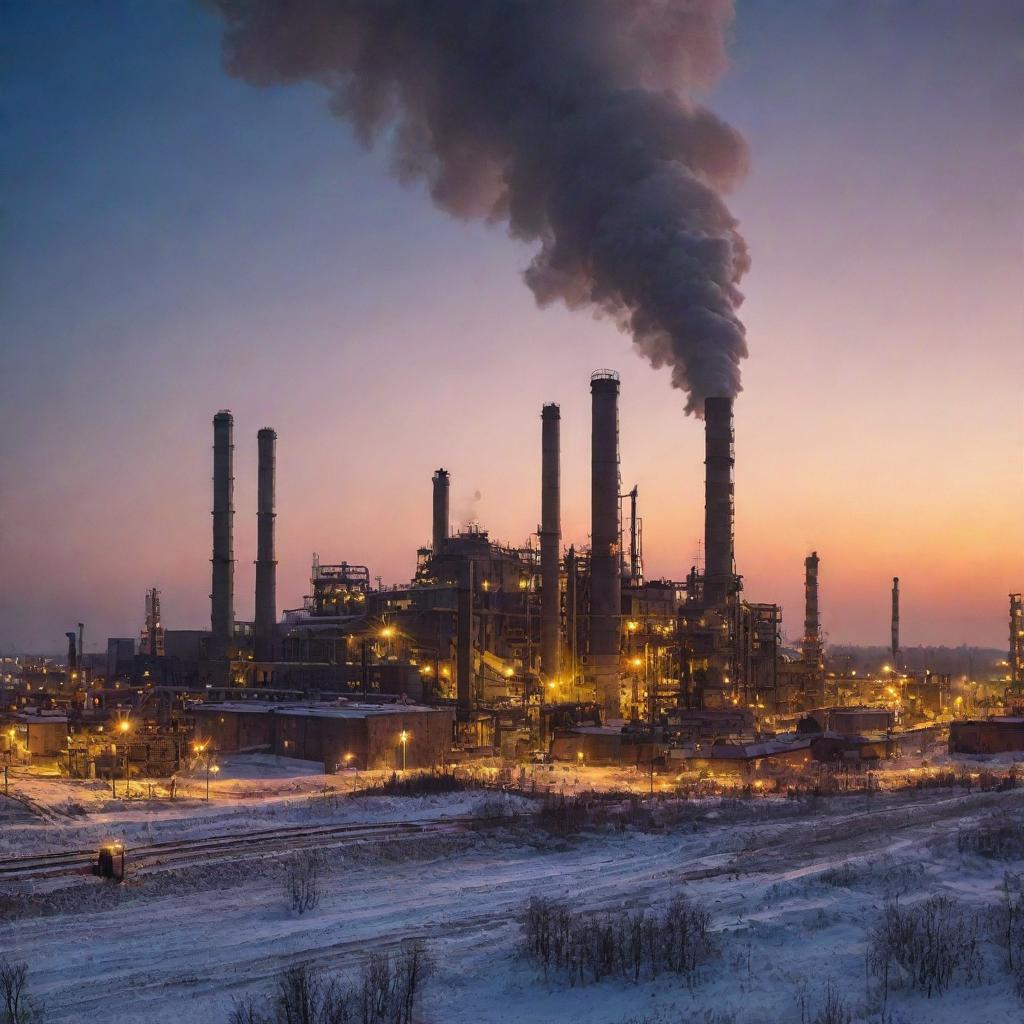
(576, 122)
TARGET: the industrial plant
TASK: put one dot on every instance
(560, 649)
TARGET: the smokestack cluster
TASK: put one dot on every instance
(266, 561)
(718, 501)
(812, 625)
(441, 514)
(222, 596)
(577, 123)
(550, 541)
(605, 581)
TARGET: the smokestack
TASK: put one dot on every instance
(266, 563)
(441, 486)
(222, 597)
(550, 540)
(605, 581)
(718, 501)
(812, 626)
(72, 652)
(896, 622)
(464, 637)
(1016, 653)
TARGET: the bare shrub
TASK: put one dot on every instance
(418, 784)
(386, 990)
(926, 945)
(842, 876)
(997, 837)
(302, 881)
(833, 1010)
(16, 1005)
(1011, 929)
(586, 948)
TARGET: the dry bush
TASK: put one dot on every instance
(418, 784)
(998, 837)
(16, 1005)
(385, 991)
(833, 1010)
(926, 945)
(587, 948)
(1010, 929)
(302, 881)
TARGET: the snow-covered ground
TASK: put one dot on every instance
(179, 943)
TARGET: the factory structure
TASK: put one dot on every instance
(520, 640)
(559, 645)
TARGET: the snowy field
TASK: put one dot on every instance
(793, 887)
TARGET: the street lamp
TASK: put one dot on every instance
(210, 768)
(404, 740)
(123, 727)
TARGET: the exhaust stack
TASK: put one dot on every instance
(266, 562)
(464, 682)
(812, 625)
(550, 540)
(605, 580)
(222, 596)
(440, 532)
(718, 501)
(896, 623)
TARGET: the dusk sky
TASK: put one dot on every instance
(176, 241)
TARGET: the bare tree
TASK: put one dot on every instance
(16, 1006)
(302, 881)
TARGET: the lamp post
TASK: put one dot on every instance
(404, 739)
(124, 727)
(210, 768)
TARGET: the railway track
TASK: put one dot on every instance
(48, 865)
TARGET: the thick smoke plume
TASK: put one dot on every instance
(576, 122)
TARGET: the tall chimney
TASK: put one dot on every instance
(441, 484)
(266, 563)
(812, 625)
(464, 637)
(1016, 653)
(718, 501)
(550, 540)
(222, 597)
(605, 581)
(896, 622)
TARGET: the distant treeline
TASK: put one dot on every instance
(977, 662)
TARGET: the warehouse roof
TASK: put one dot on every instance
(334, 709)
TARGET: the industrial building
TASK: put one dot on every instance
(341, 734)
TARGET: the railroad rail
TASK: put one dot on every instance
(47, 865)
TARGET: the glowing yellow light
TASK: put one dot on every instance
(124, 725)
(637, 662)
(632, 626)
(522, 584)
(387, 632)
(509, 673)
(404, 737)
